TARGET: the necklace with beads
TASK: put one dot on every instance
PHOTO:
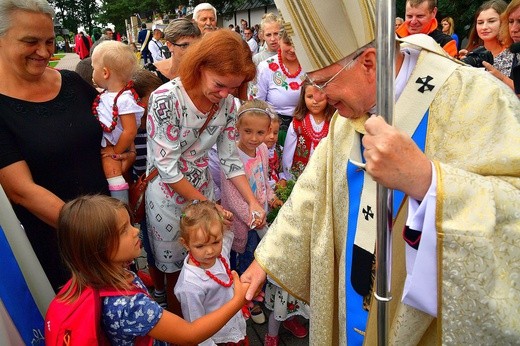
(211, 275)
(315, 136)
(284, 70)
(115, 110)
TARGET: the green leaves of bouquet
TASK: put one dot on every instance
(283, 193)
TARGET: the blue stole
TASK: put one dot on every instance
(17, 297)
(356, 316)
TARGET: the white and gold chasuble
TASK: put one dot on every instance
(473, 139)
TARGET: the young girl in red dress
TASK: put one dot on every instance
(309, 125)
(275, 152)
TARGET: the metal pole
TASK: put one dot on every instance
(385, 45)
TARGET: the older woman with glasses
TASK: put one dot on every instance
(179, 34)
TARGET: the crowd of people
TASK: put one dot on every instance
(221, 120)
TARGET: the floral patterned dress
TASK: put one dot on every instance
(282, 304)
(178, 150)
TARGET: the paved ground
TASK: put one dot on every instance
(255, 332)
(68, 62)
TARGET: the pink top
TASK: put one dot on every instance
(258, 177)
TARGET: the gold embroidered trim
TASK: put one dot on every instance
(440, 237)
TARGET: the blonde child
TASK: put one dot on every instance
(116, 108)
(205, 282)
(97, 240)
(275, 152)
(253, 122)
(309, 126)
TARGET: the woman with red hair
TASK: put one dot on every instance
(187, 116)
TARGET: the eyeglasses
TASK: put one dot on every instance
(321, 87)
(181, 45)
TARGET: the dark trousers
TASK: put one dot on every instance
(145, 54)
(241, 261)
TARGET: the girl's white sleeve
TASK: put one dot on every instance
(288, 153)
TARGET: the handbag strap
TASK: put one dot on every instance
(208, 118)
(153, 173)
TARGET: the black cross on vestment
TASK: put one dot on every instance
(368, 212)
(424, 83)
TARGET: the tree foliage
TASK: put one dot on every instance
(92, 13)
(73, 13)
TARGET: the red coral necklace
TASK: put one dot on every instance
(115, 110)
(315, 136)
(211, 275)
(284, 70)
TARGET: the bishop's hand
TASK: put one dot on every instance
(394, 160)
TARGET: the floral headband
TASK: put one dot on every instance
(266, 111)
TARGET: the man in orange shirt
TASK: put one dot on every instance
(420, 19)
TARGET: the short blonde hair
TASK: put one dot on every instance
(118, 57)
(200, 215)
(269, 18)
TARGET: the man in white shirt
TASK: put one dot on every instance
(251, 42)
(155, 45)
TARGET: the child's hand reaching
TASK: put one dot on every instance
(275, 203)
(282, 183)
(239, 288)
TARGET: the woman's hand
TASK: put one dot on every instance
(127, 158)
(463, 53)
(226, 214)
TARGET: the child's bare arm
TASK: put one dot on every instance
(172, 328)
(128, 135)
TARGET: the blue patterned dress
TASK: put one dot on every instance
(126, 317)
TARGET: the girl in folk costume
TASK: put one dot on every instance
(97, 240)
(206, 282)
(116, 108)
(275, 152)
(309, 126)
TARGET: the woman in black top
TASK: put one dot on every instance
(49, 138)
